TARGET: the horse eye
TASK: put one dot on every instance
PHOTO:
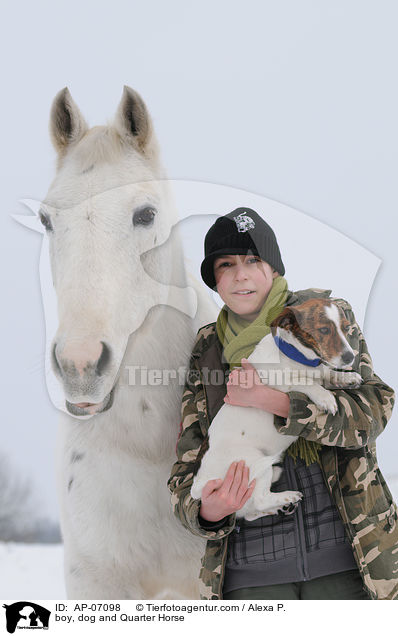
(144, 216)
(324, 330)
(45, 221)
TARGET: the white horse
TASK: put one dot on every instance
(121, 307)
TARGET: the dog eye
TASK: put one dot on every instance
(324, 330)
(144, 216)
(345, 328)
(45, 221)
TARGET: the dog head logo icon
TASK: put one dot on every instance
(244, 222)
(26, 615)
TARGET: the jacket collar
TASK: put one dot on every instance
(300, 296)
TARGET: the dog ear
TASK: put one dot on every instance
(287, 319)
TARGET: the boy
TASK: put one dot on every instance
(341, 540)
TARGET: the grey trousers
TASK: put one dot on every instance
(342, 586)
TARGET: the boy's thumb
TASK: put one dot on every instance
(246, 364)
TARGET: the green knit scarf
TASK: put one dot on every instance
(239, 337)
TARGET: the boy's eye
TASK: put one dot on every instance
(253, 259)
(224, 264)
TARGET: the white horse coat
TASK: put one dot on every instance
(121, 305)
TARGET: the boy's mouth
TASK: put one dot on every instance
(244, 292)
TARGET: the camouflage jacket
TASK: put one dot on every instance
(348, 459)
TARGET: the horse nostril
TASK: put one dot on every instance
(103, 360)
(347, 357)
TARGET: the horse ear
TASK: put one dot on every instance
(67, 124)
(133, 121)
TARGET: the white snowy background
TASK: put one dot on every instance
(294, 102)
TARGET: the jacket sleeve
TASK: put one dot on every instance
(190, 448)
(362, 413)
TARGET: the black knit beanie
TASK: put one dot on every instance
(239, 232)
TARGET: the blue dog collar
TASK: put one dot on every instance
(294, 354)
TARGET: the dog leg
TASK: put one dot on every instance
(323, 398)
(341, 380)
(276, 473)
(263, 502)
(275, 502)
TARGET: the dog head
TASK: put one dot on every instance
(317, 328)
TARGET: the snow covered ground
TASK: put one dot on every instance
(35, 571)
(31, 571)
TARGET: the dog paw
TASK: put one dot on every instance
(271, 503)
(292, 499)
(290, 506)
(289, 509)
(350, 380)
(291, 496)
(327, 403)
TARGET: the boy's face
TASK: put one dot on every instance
(243, 282)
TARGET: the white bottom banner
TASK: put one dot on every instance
(121, 617)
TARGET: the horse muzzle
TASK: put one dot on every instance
(86, 371)
(82, 409)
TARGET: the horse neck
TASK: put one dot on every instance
(163, 341)
(144, 419)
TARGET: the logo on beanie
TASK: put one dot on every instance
(244, 222)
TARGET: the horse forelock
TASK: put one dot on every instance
(104, 145)
(101, 144)
(102, 160)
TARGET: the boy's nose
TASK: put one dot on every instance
(241, 272)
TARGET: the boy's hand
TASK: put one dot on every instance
(221, 498)
(244, 388)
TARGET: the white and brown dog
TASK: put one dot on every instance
(307, 342)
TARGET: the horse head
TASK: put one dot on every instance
(105, 214)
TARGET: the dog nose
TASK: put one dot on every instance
(347, 357)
